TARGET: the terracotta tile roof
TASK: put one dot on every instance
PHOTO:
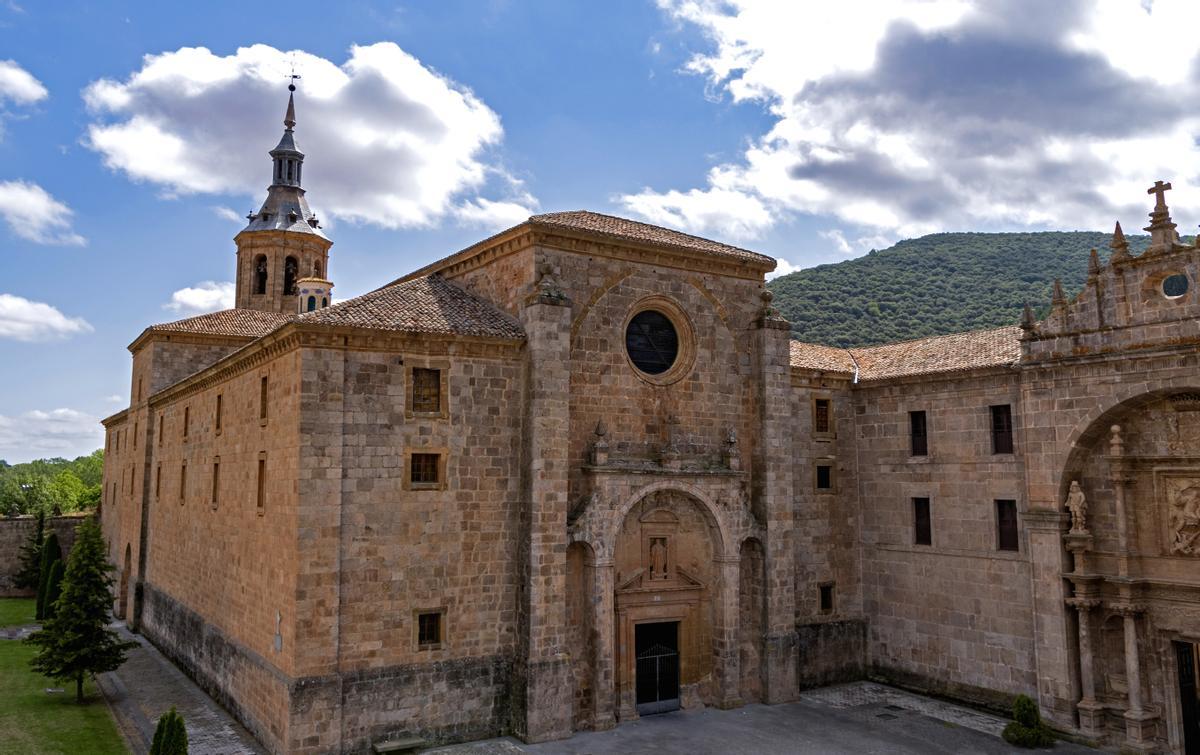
(961, 351)
(429, 304)
(813, 356)
(247, 323)
(631, 230)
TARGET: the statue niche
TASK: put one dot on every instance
(1183, 500)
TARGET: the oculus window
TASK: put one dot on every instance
(652, 342)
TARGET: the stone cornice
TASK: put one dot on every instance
(177, 336)
(1046, 520)
(295, 335)
(113, 419)
(529, 235)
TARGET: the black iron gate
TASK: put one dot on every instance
(1188, 697)
(657, 667)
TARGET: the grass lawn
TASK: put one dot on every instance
(32, 722)
(16, 611)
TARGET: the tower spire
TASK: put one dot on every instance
(289, 120)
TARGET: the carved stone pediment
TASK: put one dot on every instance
(677, 579)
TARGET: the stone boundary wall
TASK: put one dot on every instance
(830, 652)
(14, 531)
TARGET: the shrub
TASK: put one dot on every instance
(170, 736)
(1027, 729)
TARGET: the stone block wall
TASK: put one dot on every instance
(15, 533)
(955, 616)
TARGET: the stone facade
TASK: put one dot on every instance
(462, 505)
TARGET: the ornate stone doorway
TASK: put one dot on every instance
(1189, 695)
(657, 647)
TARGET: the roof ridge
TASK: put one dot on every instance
(933, 338)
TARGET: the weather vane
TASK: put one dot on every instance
(293, 76)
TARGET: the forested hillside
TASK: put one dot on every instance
(51, 485)
(936, 284)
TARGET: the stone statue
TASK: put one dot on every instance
(658, 558)
(1077, 505)
(1185, 521)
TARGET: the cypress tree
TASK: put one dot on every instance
(53, 588)
(76, 640)
(170, 736)
(51, 552)
(28, 577)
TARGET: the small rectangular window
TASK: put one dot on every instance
(427, 390)
(429, 630)
(1002, 431)
(182, 481)
(424, 469)
(218, 417)
(821, 418)
(187, 419)
(135, 434)
(1006, 525)
(922, 528)
(824, 477)
(157, 480)
(160, 428)
(918, 434)
(216, 480)
(262, 398)
(262, 482)
(139, 390)
(826, 592)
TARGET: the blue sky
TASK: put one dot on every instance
(133, 137)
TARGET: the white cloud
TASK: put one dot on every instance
(58, 432)
(18, 85)
(33, 321)
(388, 141)
(114, 399)
(838, 239)
(208, 296)
(32, 213)
(226, 213)
(903, 117)
(782, 267)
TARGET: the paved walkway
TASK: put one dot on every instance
(148, 684)
(856, 719)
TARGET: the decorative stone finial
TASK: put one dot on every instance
(1028, 322)
(733, 459)
(767, 310)
(1058, 299)
(546, 290)
(1162, 231)
(600, 445)
(1093, 263)
(1116, 446)
(1119, 246)
(1076, 503)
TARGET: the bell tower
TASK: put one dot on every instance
(283, 241)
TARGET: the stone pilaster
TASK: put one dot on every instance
(772, 476)
(603, 626)
(543, 670)
(1052, 636)
(1139, 723)
(725, 635)
(1091, 713)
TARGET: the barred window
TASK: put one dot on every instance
(424, 469)
(427, 390)
(1002, 430)
(429, 629)
(821, 423)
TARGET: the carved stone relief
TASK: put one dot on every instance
(1183, 511)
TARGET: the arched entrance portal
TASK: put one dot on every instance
(669, 618)
(123, 596)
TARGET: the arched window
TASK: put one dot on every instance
(289, 276)
(289, 164)
(317, 269)
(260, 274)
(324, 302)
(312, 303)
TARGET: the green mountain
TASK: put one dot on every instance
(936, 284)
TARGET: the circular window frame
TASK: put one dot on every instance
(684, 358)
(1162, 286)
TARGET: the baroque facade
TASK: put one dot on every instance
(580, 472)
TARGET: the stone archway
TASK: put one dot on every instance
(1132, 479)
(671, 569)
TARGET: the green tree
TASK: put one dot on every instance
(51, 552)
(65, 491)
(28, 577)
(76, 640)
(91, 497)
(53, 589)
(170, 736)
